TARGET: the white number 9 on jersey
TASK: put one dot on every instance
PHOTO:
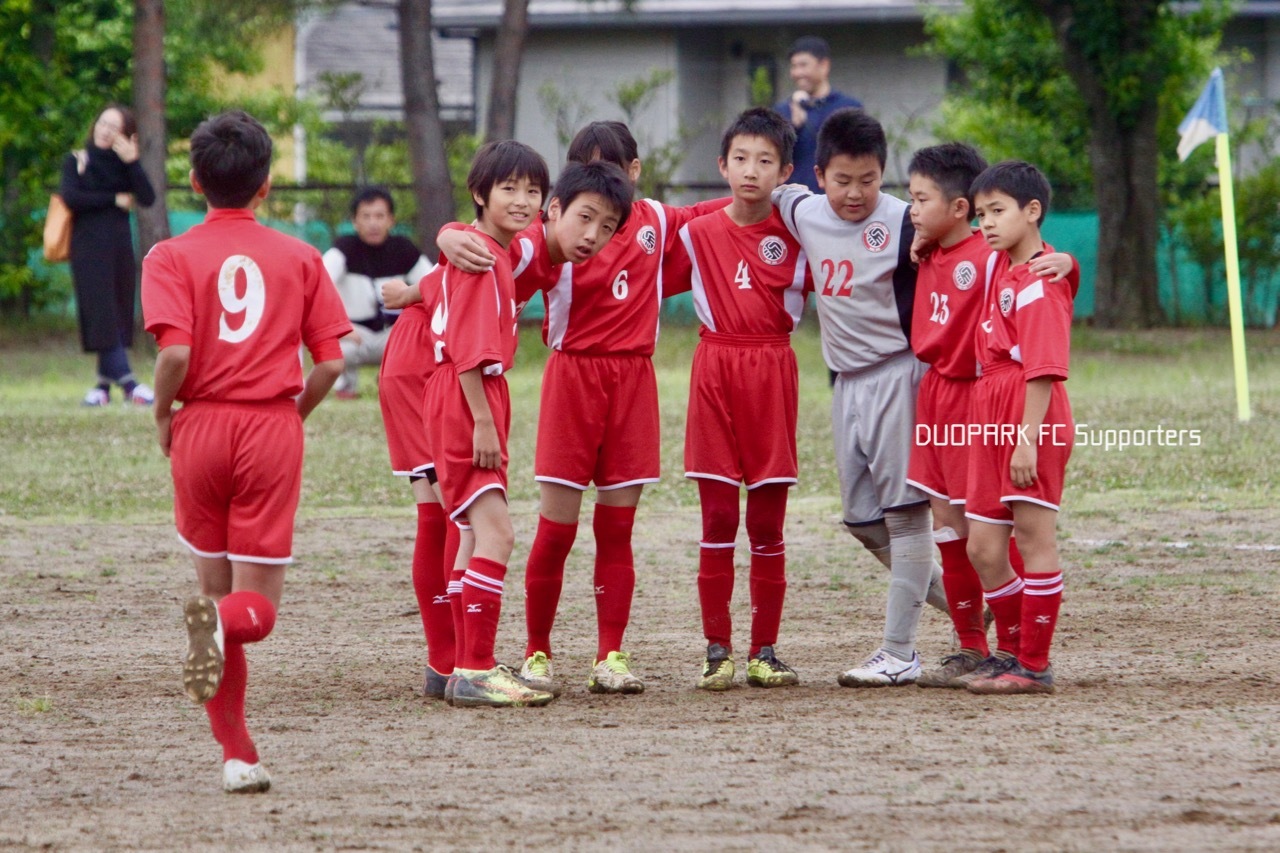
(251, 304)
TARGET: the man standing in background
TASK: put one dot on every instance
(811, 103)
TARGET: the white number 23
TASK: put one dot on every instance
(251, 304)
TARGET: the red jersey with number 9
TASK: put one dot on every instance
(245, 297)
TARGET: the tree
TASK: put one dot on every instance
(432, 187)
(508, 50)
(1119, 69)
(149, 102)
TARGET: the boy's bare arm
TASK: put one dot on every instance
(1022, 467)
(171, 371)
(486, 450)
(464, 250)
(1055, 266)
(321, 378)
(396, 294)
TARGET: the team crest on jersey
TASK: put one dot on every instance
(964, 275)
(876, 237)
(647, 237)
(772, 250)
(1006, 301)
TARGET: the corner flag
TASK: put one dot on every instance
(1208, 120)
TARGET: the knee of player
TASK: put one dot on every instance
(874, 536)
(911, 521)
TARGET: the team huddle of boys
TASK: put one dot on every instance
(927, 326)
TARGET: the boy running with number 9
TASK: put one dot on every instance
(229, 303)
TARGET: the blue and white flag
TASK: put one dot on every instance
(1207, 118)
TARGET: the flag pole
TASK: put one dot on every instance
(1234, 302)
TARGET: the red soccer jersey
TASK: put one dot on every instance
(951, 294)
(746, 280)
(244, 297)
(473, 315)
(1028, 320)
(608, 305)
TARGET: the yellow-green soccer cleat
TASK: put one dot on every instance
(765, 670)
(202, 667)
(499, 687)
(717, 671)
(613, 675)
(537, 673)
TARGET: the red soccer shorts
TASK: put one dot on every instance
(998, 400)
(406, 364)
(940, 448)
(598, 422)
(743, 397)
(452, 438)
(237, 474)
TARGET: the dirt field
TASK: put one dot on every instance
(1163, 734)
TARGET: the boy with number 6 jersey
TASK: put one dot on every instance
(748, 277)
(229, 303)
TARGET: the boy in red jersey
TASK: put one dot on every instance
(602, 323)
(748, 276)
(951, 292)
(587, 206)
(466, 402)
(229, 303)
(1020, 403)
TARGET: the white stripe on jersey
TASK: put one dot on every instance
(1031, 293)
(661, 213)
(559, 300)
(701, 305)
(1016, 353)
(526, 256)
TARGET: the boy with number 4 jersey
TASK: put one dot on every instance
(951, 292)
(748, 277)
(229, 303)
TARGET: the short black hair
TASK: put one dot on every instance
(604, 140)
(374, 193)
(1020, 181)
(499, 161)
(601, 177)
(810, 44)
(231, 156)
(765, 123)
(850, 131)
(952, 166)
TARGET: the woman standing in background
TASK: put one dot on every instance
(100, 185)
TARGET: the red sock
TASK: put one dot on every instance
(615, 575)
(1006, 603)
(247, 617)
(1041, 601)
(432, 587)
(964, 595)
(1015, 558)
(543, 579)
(481, 605)
(456, 611)
(715, 558)
(766, 514)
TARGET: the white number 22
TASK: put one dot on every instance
(251, 304)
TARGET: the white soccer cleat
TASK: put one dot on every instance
(239, 777)
(538, 673)
(202, 667)
(614, 675)
(882, 670)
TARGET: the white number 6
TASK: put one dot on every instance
(251, 304)
(620, 286)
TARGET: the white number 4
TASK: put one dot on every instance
(743, 276)
(251, 304)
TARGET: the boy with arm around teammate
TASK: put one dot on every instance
(748, 277)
